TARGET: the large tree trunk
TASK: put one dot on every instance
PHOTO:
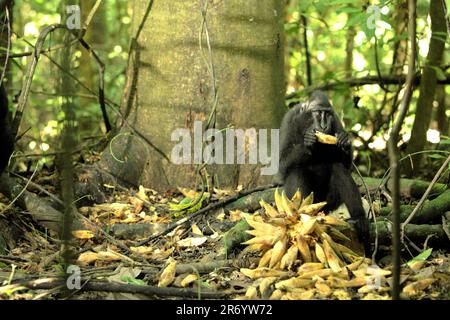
(169, 85)
(428, 83)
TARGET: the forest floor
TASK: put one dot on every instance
(296, 253)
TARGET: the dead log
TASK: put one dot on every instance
(432, 210)
(417, 233)
(96, 285)
(408, 188)
(40, 209)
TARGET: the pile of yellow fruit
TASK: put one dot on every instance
(303, 255)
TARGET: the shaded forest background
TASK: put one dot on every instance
(356, 51)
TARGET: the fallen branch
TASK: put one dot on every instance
(432, 211)
(203, 267)
(415, 232)
(408, 188)
(40, 209)
(153, 291)
(425, 195)
(370, 80)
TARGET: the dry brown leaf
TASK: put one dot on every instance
(416, 287)
(83, 234)
(190, 278)
(168, 274)
(196, 230)
(142, 194)
(192, 242)
(251, 293)
(235, 215)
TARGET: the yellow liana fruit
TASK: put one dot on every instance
(279, 249)
(289, 258)
(325, 138)
(271, 211)
(303, 254)
(295, 231)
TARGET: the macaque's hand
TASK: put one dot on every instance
(310, 138)
(343, 141)
(362, 229)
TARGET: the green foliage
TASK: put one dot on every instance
(423, 256)
(331, 24)
(109, 37)
(131, 280)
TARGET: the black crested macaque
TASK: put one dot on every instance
(324, 169)
(6, 138)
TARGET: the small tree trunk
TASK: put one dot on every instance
(428, 83)
(440, 115)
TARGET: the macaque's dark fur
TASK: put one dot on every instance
(6, 139)
(310, 166)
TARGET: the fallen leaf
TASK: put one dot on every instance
(168, 274)
(83, 234)
(192, 242)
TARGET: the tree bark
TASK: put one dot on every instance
(432, 210)
(440, 115)
(169, 85)
(428, 84)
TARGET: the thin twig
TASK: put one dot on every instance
(369, 80)
(21, 192)
(92, 13)
(8, 22)
(377, 66)
(394, 152)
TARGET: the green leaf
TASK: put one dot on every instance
(185, 201)
(399, 37)
(440, 74)
(437, 156)
(348, 10)
(333, 2)
(446, 141)
(356, 19)
(304, 5)
(131, 280)
(423, 256)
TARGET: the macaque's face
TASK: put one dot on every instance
(323, 120)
